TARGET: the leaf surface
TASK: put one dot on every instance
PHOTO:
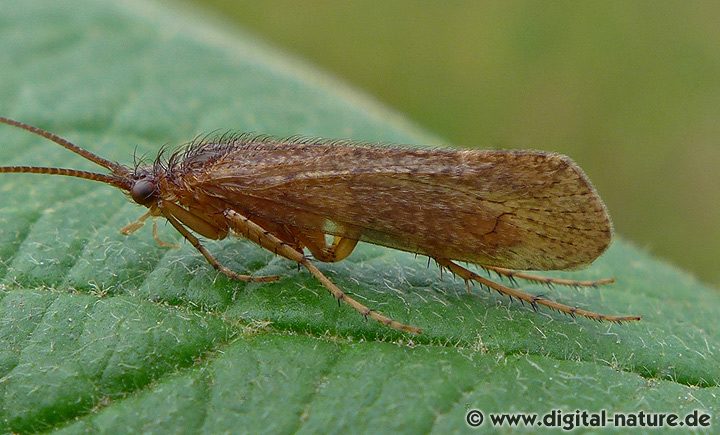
(99, 331)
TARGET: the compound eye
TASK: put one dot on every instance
(143, 192)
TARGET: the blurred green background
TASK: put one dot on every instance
(629, 89)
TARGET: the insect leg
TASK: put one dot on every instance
(212, 260)
(547, 280)
(339, 250)
(534, 301)
(267, 240)
(134, 226)
(158, 240)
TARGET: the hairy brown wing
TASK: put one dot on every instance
(513, 209)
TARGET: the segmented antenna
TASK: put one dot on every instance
(120, 174)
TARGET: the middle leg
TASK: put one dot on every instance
(255, 233)
(212, 260)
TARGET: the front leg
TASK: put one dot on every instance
(255, 233)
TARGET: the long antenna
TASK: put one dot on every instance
(116, 168)
(119, 178)
(120, 182)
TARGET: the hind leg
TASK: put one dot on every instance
(534, 301)
(340, 248)
(512, 274)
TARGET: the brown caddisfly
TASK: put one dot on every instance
(502, 210)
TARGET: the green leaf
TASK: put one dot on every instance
(99, 331)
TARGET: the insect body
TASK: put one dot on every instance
(502, 210)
